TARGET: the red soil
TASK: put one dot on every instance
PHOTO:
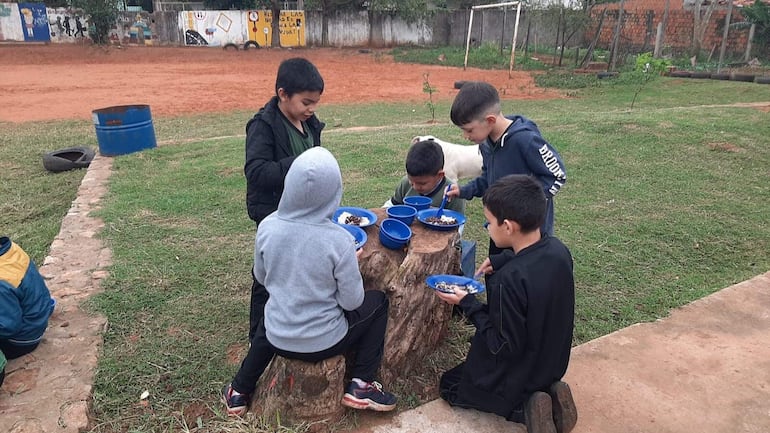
(47, 82)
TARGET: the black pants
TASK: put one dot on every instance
(259, 297)
(13, 351)
(366, 334)
(449, 386)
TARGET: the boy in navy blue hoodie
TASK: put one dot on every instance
(509, 145)
(523, 338)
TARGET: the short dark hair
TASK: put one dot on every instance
(298, 75)
(425, 158)
(517, 197)
(475, 100)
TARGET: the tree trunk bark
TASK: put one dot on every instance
(616, 36)
(662, 31)
(724, 36)
(592, 45)
(417, 319)
(276, 24)
(292, 391)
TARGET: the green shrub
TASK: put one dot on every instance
(647, 64)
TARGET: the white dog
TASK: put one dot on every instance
(459, 161)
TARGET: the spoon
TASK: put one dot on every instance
(443, 202)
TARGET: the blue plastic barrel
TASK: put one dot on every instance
(124, 129)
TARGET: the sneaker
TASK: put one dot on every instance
(368, 396)
(537, 414)
(236, 403)
(564, 410)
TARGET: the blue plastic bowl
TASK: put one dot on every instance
(358, 234)
(403, 213)
(394, 234)
(418, 202)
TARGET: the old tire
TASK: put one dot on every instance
(681, 74)
(720, 76)
(68, 159)
(762, 80)
(748, 78)
(250, 44)
(230, 46)
(700, 75)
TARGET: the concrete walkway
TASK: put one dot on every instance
(705, 369)
(49, 390)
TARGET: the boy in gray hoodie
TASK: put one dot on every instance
(316, 308)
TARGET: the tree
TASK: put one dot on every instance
(102, 14)
(701, 20)
(759, 15)
(231, 4)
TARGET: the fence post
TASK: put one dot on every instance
(748, 43)
(658, 41)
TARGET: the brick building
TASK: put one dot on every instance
(640, 23)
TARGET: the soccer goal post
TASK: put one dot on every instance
(515, 31)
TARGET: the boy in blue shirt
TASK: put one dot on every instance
(425, 176)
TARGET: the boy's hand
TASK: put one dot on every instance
(485, 268)
(452, 298)
(454, 191)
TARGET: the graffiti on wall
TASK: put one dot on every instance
(34, 22)
(291, 25)
(133, 29)
(66, 25)
(212, 28)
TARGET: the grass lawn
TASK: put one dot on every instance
(664, 204)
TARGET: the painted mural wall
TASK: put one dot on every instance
(23, 22)
(66, 25)
(133, 28)
(220, 28)
(10, 23)
(33, 22)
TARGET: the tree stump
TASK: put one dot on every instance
(292, 391)
(418, 320)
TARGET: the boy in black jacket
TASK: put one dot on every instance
(284, 128)
(523, 338)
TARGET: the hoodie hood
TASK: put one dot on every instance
(519, 124)
(313, 187)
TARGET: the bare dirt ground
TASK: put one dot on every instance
(48, 82)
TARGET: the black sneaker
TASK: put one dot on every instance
(368, 396)
(538, 415)
(236, 403)
(564, 410)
